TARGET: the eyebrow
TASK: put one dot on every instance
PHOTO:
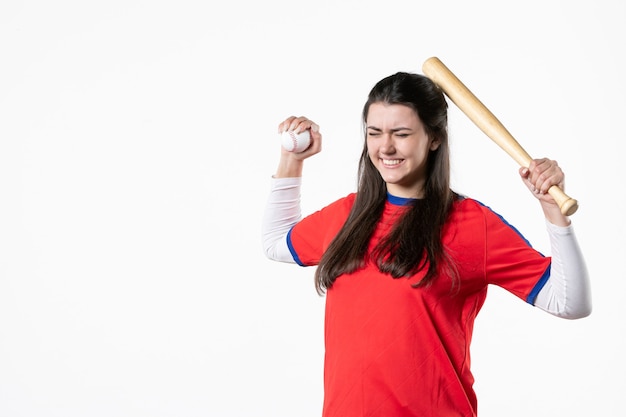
(397, 129)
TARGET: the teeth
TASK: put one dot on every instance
(391, 161)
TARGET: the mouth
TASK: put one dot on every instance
(391, 162)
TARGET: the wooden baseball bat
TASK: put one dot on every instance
(478, 113)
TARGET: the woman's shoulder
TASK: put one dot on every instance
(470, 208)
(464, 202)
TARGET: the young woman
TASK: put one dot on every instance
(405, 262)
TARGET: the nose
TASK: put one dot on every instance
(387, 145)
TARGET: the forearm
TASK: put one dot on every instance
(567, 293)
(552, 213)
(289, 167)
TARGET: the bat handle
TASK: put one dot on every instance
(567, 204)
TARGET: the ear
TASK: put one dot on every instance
(434, 145)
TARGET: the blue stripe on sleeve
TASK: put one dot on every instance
(507, 223)
(292, 249)
(535, 291)
(546, 275)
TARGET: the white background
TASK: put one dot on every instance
(137, 139)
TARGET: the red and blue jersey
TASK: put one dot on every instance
(396, 350)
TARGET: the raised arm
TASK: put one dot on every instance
(282, 210)
(567, 293)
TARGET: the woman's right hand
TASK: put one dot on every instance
(291, 162)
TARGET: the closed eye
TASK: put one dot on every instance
(399, 133)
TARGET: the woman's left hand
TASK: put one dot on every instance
(540, 175)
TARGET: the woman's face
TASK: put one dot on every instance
(398, 147)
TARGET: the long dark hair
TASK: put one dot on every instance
(415, 241)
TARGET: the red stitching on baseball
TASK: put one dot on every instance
(294, 140)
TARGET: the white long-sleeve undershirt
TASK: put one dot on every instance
(566, 293)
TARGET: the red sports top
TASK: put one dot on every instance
(393, 350)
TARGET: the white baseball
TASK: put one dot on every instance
(295, 142)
